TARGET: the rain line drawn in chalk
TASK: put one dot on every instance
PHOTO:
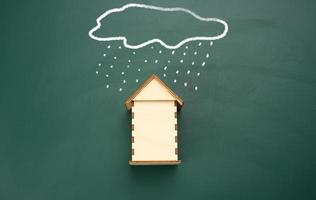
(125, 63)
(156, 40)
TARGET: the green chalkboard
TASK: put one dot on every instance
(247, 128)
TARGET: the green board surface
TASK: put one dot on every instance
(247, 132)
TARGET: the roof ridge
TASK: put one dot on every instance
(128, 102)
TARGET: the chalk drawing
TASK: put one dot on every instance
(156, 40)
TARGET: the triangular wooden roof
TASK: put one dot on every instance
(128, 102)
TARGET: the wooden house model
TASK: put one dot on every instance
(154, 108)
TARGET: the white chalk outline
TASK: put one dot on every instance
(156, 40)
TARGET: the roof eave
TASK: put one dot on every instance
(128, 102)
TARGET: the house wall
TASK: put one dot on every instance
(154, 131)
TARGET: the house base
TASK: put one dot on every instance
(165, 162)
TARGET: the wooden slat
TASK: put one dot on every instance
(159, 162)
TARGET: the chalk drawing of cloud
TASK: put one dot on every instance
(156, 40)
